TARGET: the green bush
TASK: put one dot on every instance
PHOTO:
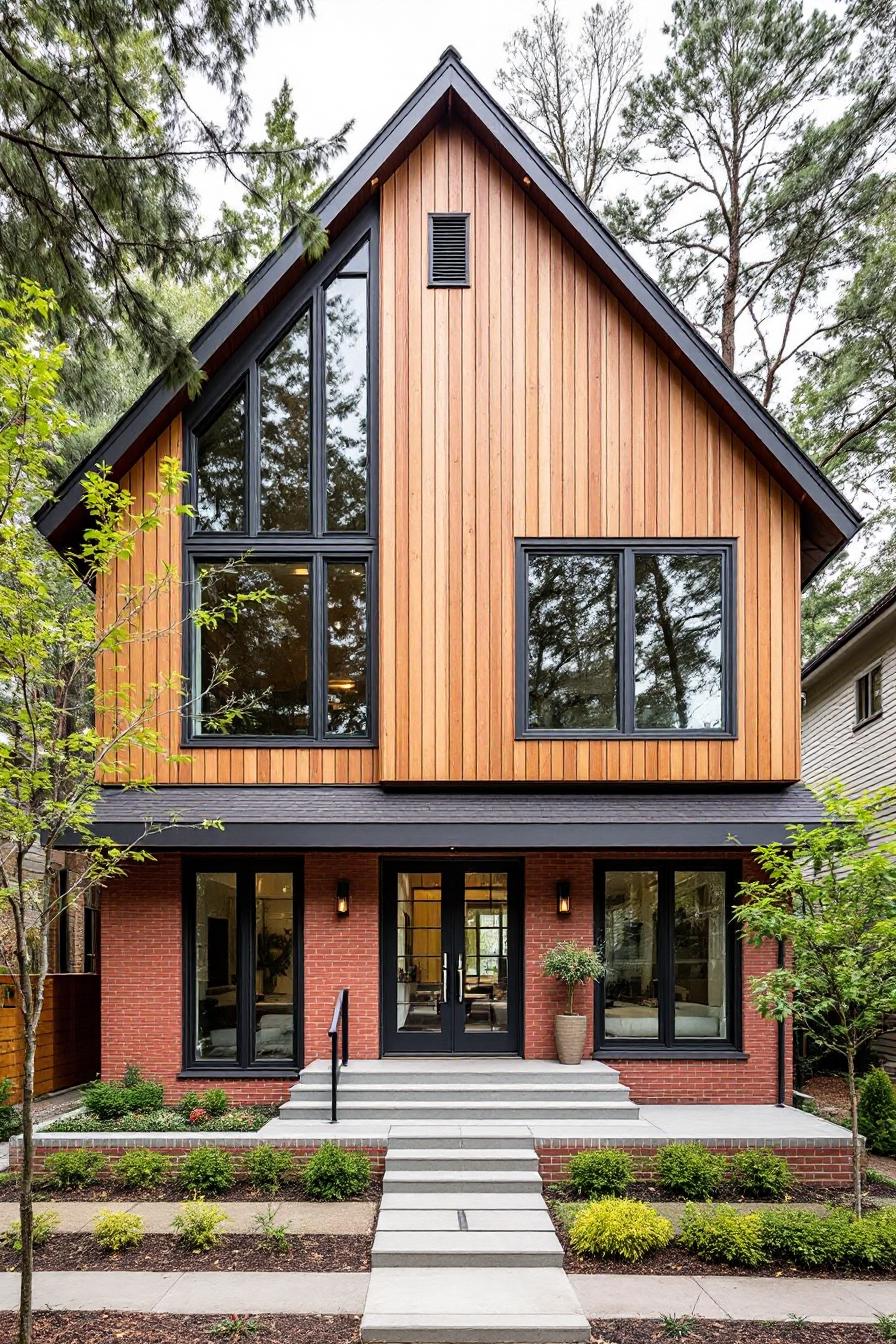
(602, 1171)
(118, 1231)
(215, 1101)
(10, 1120)
(621, 1228)
(871, 1241)
(803, 1237)
(112, 1100)
(691, 1170)
(268, 1167)
(72, 1168)
(43, 1227)
(877, 1113)
(717, 1232)
(206, 1171)
(762, 1174)
(141, 1169)
(334, 1173)
(275, 1235)
(187, 1103)
(198, 1225)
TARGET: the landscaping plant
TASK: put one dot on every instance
(690, 1170)
(118, 1231)
(829, 893)
(573, 966)
(44, 1225)
(141, 1169)
(268, 1167)
(235, 1327)
(10, 1120)
(602, 1171)
(275, 1235)
(112, 1100)
(877, 1113)
(215, 1101)
(804, 1237)
(72, 1168)
(198, 1225)
(206, 1171)
(761, 1174)
(335, 1173)
(717, 1232)
(623, 1229)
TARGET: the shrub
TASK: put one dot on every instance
(198, 1225)
(870, 1242)
(622, 1228)
(572, 965)
(691, 1170)
(43, 1227)
(268, 1167)
(333, 1173)
(10, 1120)
(118, 1231)
(761, 1173)
(141, 1169)
(275, 1235)
(803, 1237)
(718, 1232)
(877, 1113)
(188, 1102)
(215, 1101)
(206, 1171)
(603, 1171)
(112, 1100)
(72, 1168)
(235, 1327)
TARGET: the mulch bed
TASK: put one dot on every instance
(115, 1327)
(162, 1251)
(169, 1192)
(731, 1332)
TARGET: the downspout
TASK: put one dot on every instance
(782, 1039)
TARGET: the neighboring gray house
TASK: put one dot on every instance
(849, 717)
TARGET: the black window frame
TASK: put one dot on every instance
(201, 547)
(91, 939)
(863, 690)
(665, 1045)
(431, 281)
(245, 869)
(626, 549)
(63, 929)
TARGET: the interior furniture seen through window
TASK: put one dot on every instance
(668, 938)
(280, 547)
(633, 639)
(241, 962)
(869, 700)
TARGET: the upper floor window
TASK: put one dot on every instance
(869, 700)
(625, 639)
(280, 457)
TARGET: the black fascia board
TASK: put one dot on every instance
(413, 120)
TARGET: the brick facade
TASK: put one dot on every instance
(142, 979)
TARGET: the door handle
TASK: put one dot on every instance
(444, 977)
(460, 977)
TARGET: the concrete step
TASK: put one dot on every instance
(462, 1159)
(461, 1182)
(353, 1090)
(460, 1136)
(454, 1249)
(422, 1219)
(494, 1109)
(451, 1070)
(514, 1203)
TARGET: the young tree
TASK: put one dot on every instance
(61, 736)
(571, 96)
(830, 894)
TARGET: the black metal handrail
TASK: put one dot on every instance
(340, 1018)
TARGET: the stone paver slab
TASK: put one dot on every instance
(478, 1292)
(477, 1220)
(766, 1299)
(879, 1296)
(347, 1219)
(264, 1292)
(647, 1296)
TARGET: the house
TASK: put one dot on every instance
(533, 660)
(849, 720)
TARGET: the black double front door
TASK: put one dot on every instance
(452, 958)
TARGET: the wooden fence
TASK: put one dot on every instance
(68, 1041)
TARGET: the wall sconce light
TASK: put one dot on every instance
(342, 898)
(564, 901)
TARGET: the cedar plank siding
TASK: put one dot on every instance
(530, 404)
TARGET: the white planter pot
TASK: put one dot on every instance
(569, 1032)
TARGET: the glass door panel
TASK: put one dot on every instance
(700, 942)
(421, 958)
(274, 967)
(484, 963)
(631, 985)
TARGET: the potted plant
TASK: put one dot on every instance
(572, 965)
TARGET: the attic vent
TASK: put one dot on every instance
(449, 250)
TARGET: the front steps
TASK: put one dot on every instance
(460, 1091)
(465, 1249)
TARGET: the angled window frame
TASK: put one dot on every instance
(200, 546)
(626, 549)
(863, 685)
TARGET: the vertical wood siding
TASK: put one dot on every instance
(532, 404)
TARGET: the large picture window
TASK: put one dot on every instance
(670, 949)
(242, 959)
(281, 489)
(625, 639)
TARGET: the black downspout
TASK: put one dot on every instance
(782, 1039)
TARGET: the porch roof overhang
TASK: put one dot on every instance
(300, 817)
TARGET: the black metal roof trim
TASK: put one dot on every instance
(415, 114)
(867, 618)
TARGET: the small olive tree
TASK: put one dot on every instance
(830, 894)
(572, 965)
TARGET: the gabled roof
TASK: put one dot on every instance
(828, 520)
(884, 606)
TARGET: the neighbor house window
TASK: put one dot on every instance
(241, 962)
(282, 507)
(667, 935)
(625, 639)
(869, 702)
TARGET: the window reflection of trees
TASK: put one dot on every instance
(285, 450)
(572, 641)
(678, 641)
(220, 449)
(346, 390)
(347, 649)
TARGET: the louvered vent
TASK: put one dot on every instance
(449, 250)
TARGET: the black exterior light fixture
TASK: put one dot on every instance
(564, 900)
(342, 898)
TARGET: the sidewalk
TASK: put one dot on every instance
(300, 1216)
(602, 1296)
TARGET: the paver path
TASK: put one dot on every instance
(299, 1216)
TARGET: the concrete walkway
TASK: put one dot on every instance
(598, 1296)
(301, 1217)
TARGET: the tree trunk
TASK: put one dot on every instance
(26, 1207)
(854, 1124)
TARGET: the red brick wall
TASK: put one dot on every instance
(819, 1166)
(342, 952)
(544, 927)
